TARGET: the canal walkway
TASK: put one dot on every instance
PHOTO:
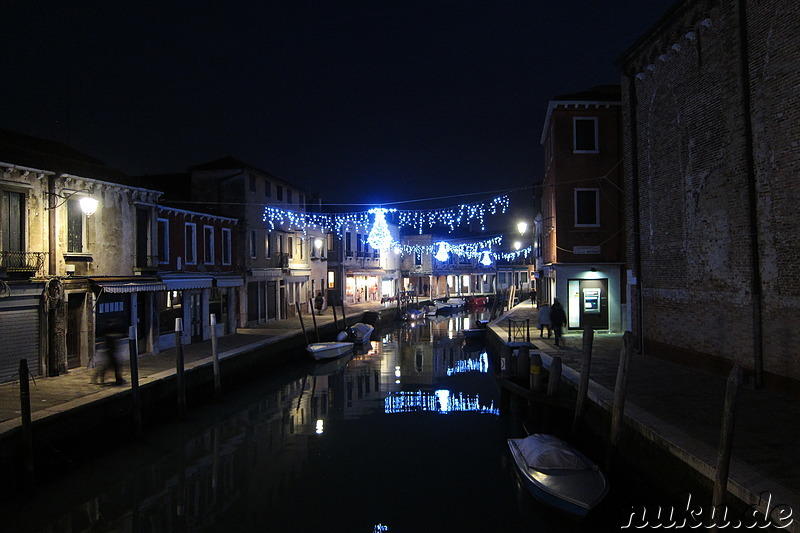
(680, 410)
(55, 395)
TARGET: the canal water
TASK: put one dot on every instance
(404, 436)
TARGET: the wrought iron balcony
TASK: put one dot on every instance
(22, 262)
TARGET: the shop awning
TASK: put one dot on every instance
(367, 273)
(182, 283)
(228, 281)
(126, 286)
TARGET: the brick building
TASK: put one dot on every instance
(580, 235)
(711, 132)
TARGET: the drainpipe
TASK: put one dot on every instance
(752, 198)
(636, 222)
(52, 201)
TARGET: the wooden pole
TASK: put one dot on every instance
(302, 324)
(314, 317)
(179, 364)
(726, 436)
(583, 388)
(27, 426)
(335, 320)
(555, 376)
(620, 387)
(344, 317)
(215, 358)
(536, 372)
(133, 350)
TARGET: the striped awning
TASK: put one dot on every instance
(116, 287)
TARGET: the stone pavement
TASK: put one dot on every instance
(681, 409)
(59, 393)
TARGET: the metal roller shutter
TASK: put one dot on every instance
(19, 339)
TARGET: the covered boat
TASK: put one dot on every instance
(329, 350)
(557, 474)
(359, 333)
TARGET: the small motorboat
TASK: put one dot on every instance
(478, 301)
(329, 350)
(358, 333)
(450, 305)
(557, 474)
(478, 332)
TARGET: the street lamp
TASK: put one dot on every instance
(522, 227)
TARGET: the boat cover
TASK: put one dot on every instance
(547, 452)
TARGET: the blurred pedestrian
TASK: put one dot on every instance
(110, 340)
(544, 320)
(558, 318)
(318, 302)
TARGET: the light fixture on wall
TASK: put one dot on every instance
(87, 202)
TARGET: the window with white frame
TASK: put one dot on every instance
(267, 245)
(163, 240)
(252, 244)
(208, 245)
(12, 221)
(227, 242)
(190, 243)
(585, 135)
(587, 207)
(290, 246)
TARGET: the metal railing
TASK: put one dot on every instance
(22, 261)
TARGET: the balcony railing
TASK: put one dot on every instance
(30, 262)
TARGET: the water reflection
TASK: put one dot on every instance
(275, 456)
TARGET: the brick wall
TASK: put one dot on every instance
(695, 227)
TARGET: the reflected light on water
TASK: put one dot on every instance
(441, 401)
(470, 365)
(319, 428)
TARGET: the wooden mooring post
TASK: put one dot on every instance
(618, 410)
(583, 388)
(313, 317)
(215, 358)
(179, 368)
(302, 324)
(726, 436)
(27, 429)
(133, 351)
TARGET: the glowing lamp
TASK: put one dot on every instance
(88, 205)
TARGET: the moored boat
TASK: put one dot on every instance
(329, 350)
(359, 333)
(557, 474)
(450, 305)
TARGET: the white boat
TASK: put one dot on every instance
(358, 333)
(557, 474)
(451, 304)
(329, 350)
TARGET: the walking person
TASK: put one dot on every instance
(318, 302)
(558, 319)
(544, 320)
(110, 339)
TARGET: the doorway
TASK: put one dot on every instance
(588, 303)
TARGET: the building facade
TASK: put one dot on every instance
(580, 235)
(711, 113)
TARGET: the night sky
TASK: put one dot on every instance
(364, 102)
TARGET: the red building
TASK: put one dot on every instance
(581, 233)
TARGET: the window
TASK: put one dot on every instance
(75, 227)
(417, 258)
(585, 138)
(12, 218)
(252, 183)
(358, 245)
(190, 243)
(267, 247)
(302, 246)
(208, 245)
(587, 207)
(348, 247)
(289, 195)
(279, 191)
(290, 244)
(226, 246)
(163, 240)
(331, 279)
(268, 188)
(253, 243)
